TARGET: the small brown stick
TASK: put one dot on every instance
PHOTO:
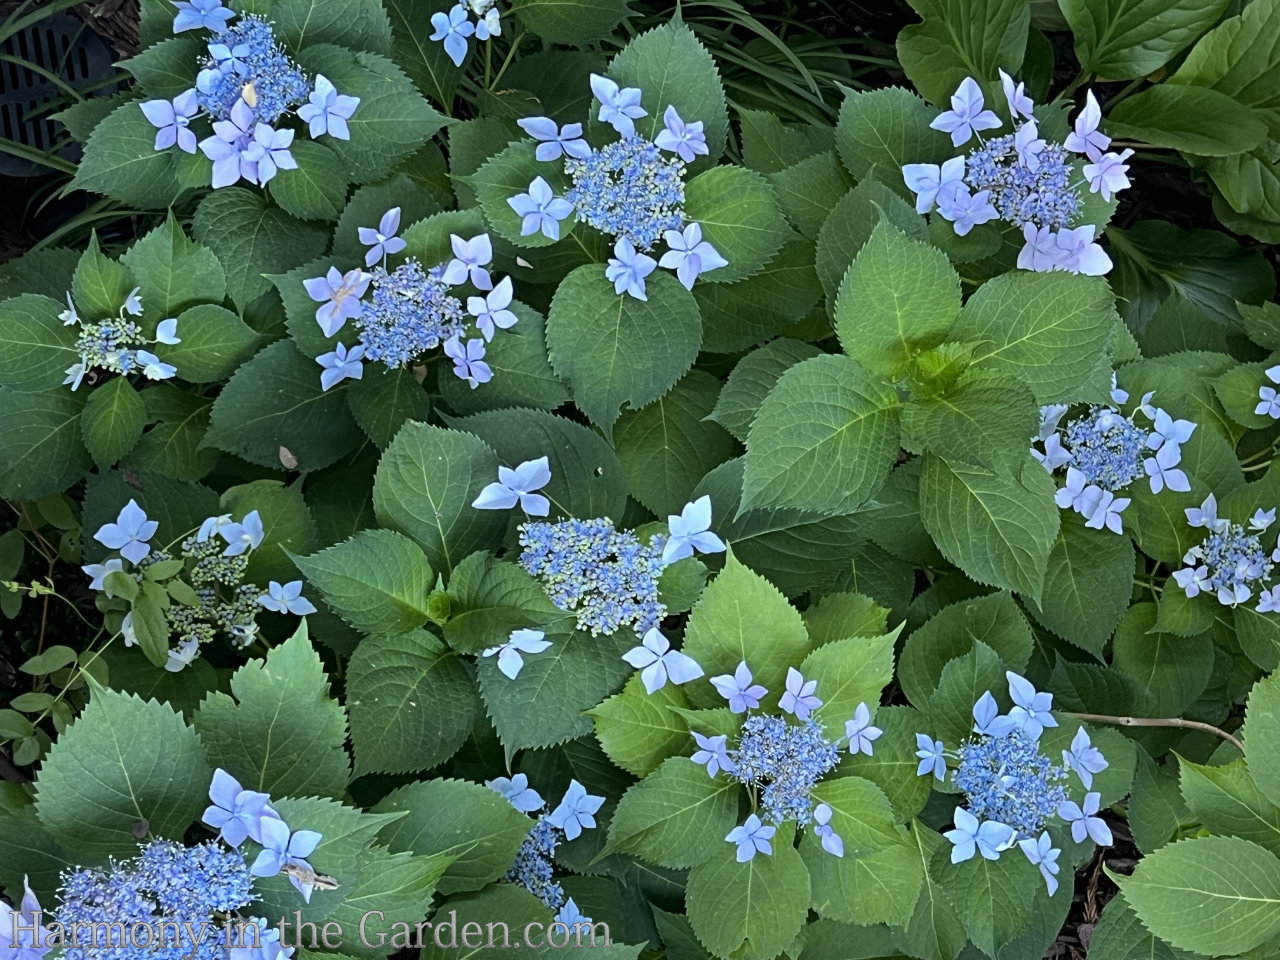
(1161, 722)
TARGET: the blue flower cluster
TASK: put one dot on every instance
(411, 310)
(1022, 179)
(166, 885)
(608, 575)
(1105, 451)
(627, 189)
(453, 28)
(785, 759)
(1012, 790)
(534, 868)
(215, 556)
(245, 84)
(1230, 562)
(115, 344)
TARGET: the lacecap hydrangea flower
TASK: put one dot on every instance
(631, 189)
(1103, 452)
(1231, 562)
(454, 27)
(115, 345)
(1031, 183)
(1268, 401)
(781, 759)
(242, 88)
(1012, 790)
(411, 310)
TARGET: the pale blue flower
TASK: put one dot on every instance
(243, 536)
(286, 598)
(266, 947)
(1029, 146)
(129, 534)
(470, 257)
(540, 209)
(627, 269)
(27, 944)
(752, 837)
(1084, 821)
(1262, 519)
(1108, 174)
(510, 661)
(929, 181)
(987, 719)
(468, 360)
(1042, 854)
(491, 310)
(383, 241)
(686, 140)
(1268, 600)
(619, 107)
(69, 315)
(1015, 96)
(1086, 138)
(152, 366)
(341, 364)
(1270, 405)
(270, 151)
(1106, 513)
(570, 915)
(171, 118)
(1080, 254)
(658, 662)
(127, 631)
(1054, 456)
(167, 332)
(236, 813)
(798, 698)
(859, 731)
(133, 303)
(1079, 494)
(230, 148)
(517, 486)
(1084, 758)
(556, 141)
(966, 210)
(989, 839)
(690, 530)
(1194, 580)
(489, 25)
(328, 111)
(339, 295)
(207, 14)
(712, 753)
(932, 759)
(1206, 515)
(517, 791)
(689, 255)
(281, 848)
(832, 842)
(1040, 252)
(966, 116)
(1162, 469)
(182, 656)
(576, 811)
(738, 689)
(1031, 708)
(453, 28)
(98, 571)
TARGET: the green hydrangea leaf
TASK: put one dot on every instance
(112, 421)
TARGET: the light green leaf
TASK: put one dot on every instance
(824, 438)
(1120, 935)
(489, 598)
(1087, 585)
(424, 60)
(672, 67)
(860, 813)
(1211, 895)
(412, 703)
(769, 145)
(425, 484)
(739, 217)
(36, 348)
(174, 273)
(959, 40)
(900, 296)
(522, 374)
(620, 350)
(752, 379)
(993, 898)
(1131, 38)
(124, 762)
(1197, 120)
(40, 437)
(163, 70)
(317, 189)
(359, 24)
(112, 422)
(934, 931)
(476, 826)
(1045, 329)
(881, 130)
(393, 892)
(1227, 800)
(214, 342)
(100, 284)
(1262, 732)
(252, 239)
(848, 227)
(872, 888)
(296, 413)
(840, 615)
(963, 681)
(667, 447)
(377, 581)
(998, 531)
(282, 733)
(752, 910)
(1173, 669)
(575, 22)
(849, 672)
(804, 190)
(637, 730)
(892, 767)
(382, 401)
(121, 161)
(675, 817)
(984, 421)
(743, 617)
